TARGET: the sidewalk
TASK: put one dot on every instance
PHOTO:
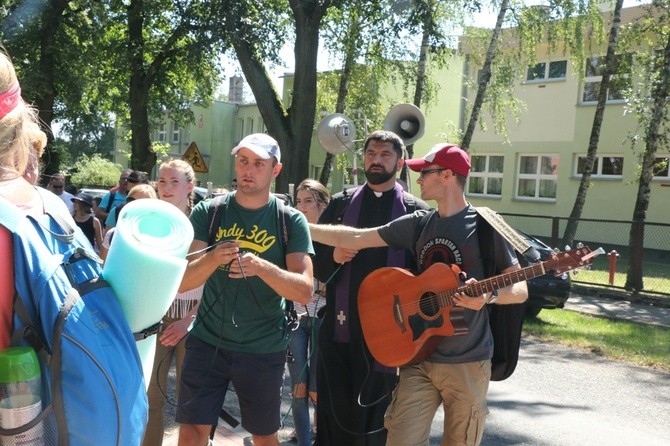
(619, 309)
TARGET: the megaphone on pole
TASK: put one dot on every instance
(336, 133)
(406, 121)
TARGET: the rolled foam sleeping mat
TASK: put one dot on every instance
(145, 265)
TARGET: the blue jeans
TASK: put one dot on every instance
(303, 346)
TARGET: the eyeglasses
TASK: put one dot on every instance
(425, 172)
(56, 187)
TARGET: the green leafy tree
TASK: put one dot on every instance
(649, 102)
(55, 45)
(163, 58)
(505, 54)
(354, 33)
(94, 171)
(258, 28)
(611, 67)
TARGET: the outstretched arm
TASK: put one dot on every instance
(346, 236)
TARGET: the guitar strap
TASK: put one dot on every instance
(508, 233)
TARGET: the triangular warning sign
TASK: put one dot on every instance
(194, 158)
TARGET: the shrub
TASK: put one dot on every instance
(95, 171)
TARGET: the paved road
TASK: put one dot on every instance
(561, 396)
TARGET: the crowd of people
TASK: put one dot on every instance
(253, 260)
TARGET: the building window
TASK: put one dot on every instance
(661, 171)
(486, 175)
(537, 177)
(542, 71)
(240, 129)
(620, 81)
(250, 126)
(175, 135)
(162, 133)
(604, 166)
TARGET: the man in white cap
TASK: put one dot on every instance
(240, 334)
(456, 373)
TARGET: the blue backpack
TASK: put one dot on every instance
(93, 391)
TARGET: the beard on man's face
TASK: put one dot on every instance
(380, 175)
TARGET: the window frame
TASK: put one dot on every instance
(486, 175)
(666, 159)
(596, 77)
(537, 176)
(547, 71)
(598, 175)
(176, 134)
(162, 133)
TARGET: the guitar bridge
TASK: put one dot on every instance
(397, 313)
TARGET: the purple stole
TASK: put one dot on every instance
(394, 258)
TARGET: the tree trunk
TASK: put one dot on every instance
(45, 97)
(580, 199)
(142, 158)
(653, 141)
(418, 89)
(486, 77)
(292, 128)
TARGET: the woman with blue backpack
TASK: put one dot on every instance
(92, 389)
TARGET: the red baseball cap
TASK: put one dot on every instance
(445, 155)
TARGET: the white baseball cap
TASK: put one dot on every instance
(261, 144)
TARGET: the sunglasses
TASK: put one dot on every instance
(425, 172)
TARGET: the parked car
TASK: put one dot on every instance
(199, 194)
(547, 291)
(94, 192)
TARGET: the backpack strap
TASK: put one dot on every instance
(214, 216)
(110, 203)
(10, 215)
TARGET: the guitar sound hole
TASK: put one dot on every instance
(428, 305)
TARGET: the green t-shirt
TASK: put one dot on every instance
(247, 315)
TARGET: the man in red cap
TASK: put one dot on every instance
(457, 373)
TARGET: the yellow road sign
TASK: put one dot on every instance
(194, 158)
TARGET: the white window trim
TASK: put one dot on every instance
(486, 175)
(546, 77)
(598, 175)
(593, 79)
(176, 135)
(536, 176)
(162, 133)
(665, 179)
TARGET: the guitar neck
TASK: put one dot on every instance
(558, 263)
(493, 283)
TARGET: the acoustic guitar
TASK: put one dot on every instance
(404, 316)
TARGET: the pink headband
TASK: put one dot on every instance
(10, 99)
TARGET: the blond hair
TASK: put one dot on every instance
(17, 127)
(146, 190)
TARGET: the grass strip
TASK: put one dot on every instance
(640, 344)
